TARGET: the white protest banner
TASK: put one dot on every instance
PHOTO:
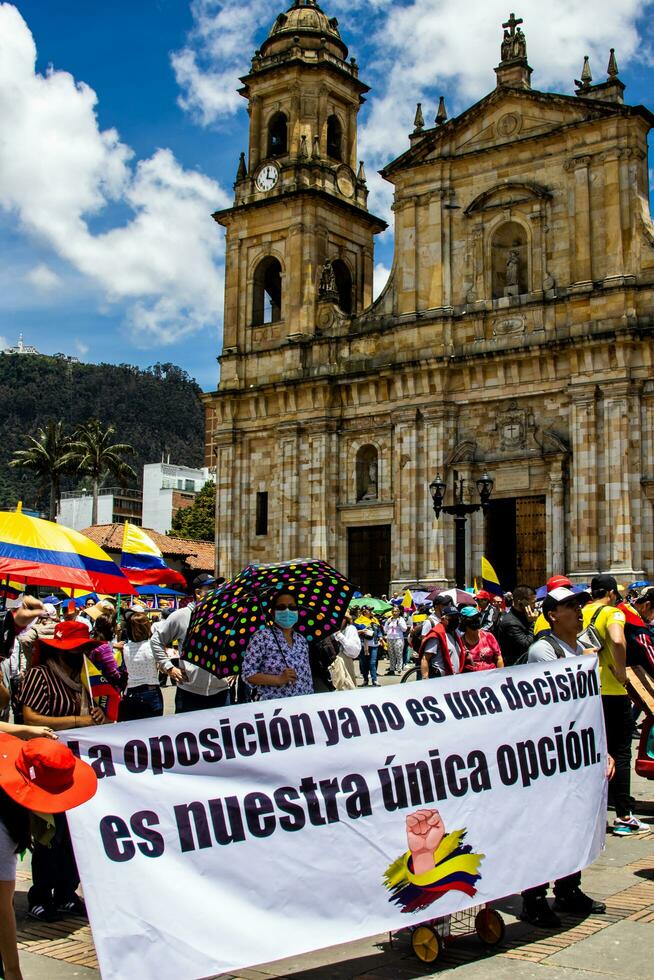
(226, 838)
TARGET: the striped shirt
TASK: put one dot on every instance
(46, 694)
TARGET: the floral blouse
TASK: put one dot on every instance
(269, 653)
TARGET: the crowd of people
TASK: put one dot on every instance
(45, 686)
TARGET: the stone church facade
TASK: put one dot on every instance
(514, 335)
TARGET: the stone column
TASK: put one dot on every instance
(646, 469)
(584, 485)
(465, 471)
(406, 255)
(556, 535)
(617, 468)
(289, 490)
(405, 469)
(581, 264)
(257, 138)
(613, 252)
(224, 443)
(319, 500)
(437, 535)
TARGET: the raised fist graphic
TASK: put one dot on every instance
(424, 830)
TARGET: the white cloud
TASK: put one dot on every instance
(379, 279)
(414, 51)
(3, 342)
(42, 278)
(59, 169)
(207, 69)
(81, 347)
(423, 48)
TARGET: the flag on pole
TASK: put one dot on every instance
(142, 562)
(103, 694)
(407, 601)
(489, 579)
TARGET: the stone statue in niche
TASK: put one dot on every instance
(367, 473)
(328, 289)
(512, 287)
(371, 489)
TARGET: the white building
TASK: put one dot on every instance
(21, 348)
(167, 489)
(115, 505)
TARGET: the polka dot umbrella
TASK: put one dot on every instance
(223, 623)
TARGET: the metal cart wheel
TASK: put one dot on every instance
(426, 944)
(489, 926)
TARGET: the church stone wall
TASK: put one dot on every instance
(514, 335)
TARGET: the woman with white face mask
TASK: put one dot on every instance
(276, 662)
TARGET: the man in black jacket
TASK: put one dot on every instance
(515, 631)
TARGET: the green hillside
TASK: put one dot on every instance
(157, 411)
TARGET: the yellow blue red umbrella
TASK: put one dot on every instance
(42, 553)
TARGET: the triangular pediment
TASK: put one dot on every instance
(503, 117)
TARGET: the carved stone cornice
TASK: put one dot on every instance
(577, 163)
(583, 394)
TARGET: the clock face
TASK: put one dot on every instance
(267, 177)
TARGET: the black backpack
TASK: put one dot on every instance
(553, 642)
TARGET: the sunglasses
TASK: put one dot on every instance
(286, 607)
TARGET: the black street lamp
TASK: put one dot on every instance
(460, 511)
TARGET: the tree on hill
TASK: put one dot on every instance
(93, 453)
(157, 411)
(199, 520)
(46, 454)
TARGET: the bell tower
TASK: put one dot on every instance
(299, 233)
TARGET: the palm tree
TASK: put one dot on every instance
(92, 453)
(46, 454)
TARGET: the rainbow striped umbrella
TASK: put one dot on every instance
(43, 553)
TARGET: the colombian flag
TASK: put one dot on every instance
(42, 553)
(142, 562)
(103, 694)
(490, 581)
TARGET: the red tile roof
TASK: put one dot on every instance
(196, 555)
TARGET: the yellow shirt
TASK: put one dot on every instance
(607, 616)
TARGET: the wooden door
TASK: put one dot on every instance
(369, 558)
(531, 549)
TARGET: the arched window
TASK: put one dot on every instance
(267, 298)
(278, 135)
(510, 260)
(367, 466)
(334, 138)
(343, 278)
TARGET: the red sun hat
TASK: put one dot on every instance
(558, 582)
(69, 635)
(44, 775)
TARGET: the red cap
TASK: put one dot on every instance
(483, 594)
(69, 635)
(44, 775)
(558, 582)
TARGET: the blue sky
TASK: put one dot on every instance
(123, 136)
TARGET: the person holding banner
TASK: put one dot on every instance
(52, 694)
(276, 662)
(562, 611)
(42, 776)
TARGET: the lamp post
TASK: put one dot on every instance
(460, 511)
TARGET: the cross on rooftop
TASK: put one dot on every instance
(513, 22)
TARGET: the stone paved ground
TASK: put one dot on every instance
(619, 944)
